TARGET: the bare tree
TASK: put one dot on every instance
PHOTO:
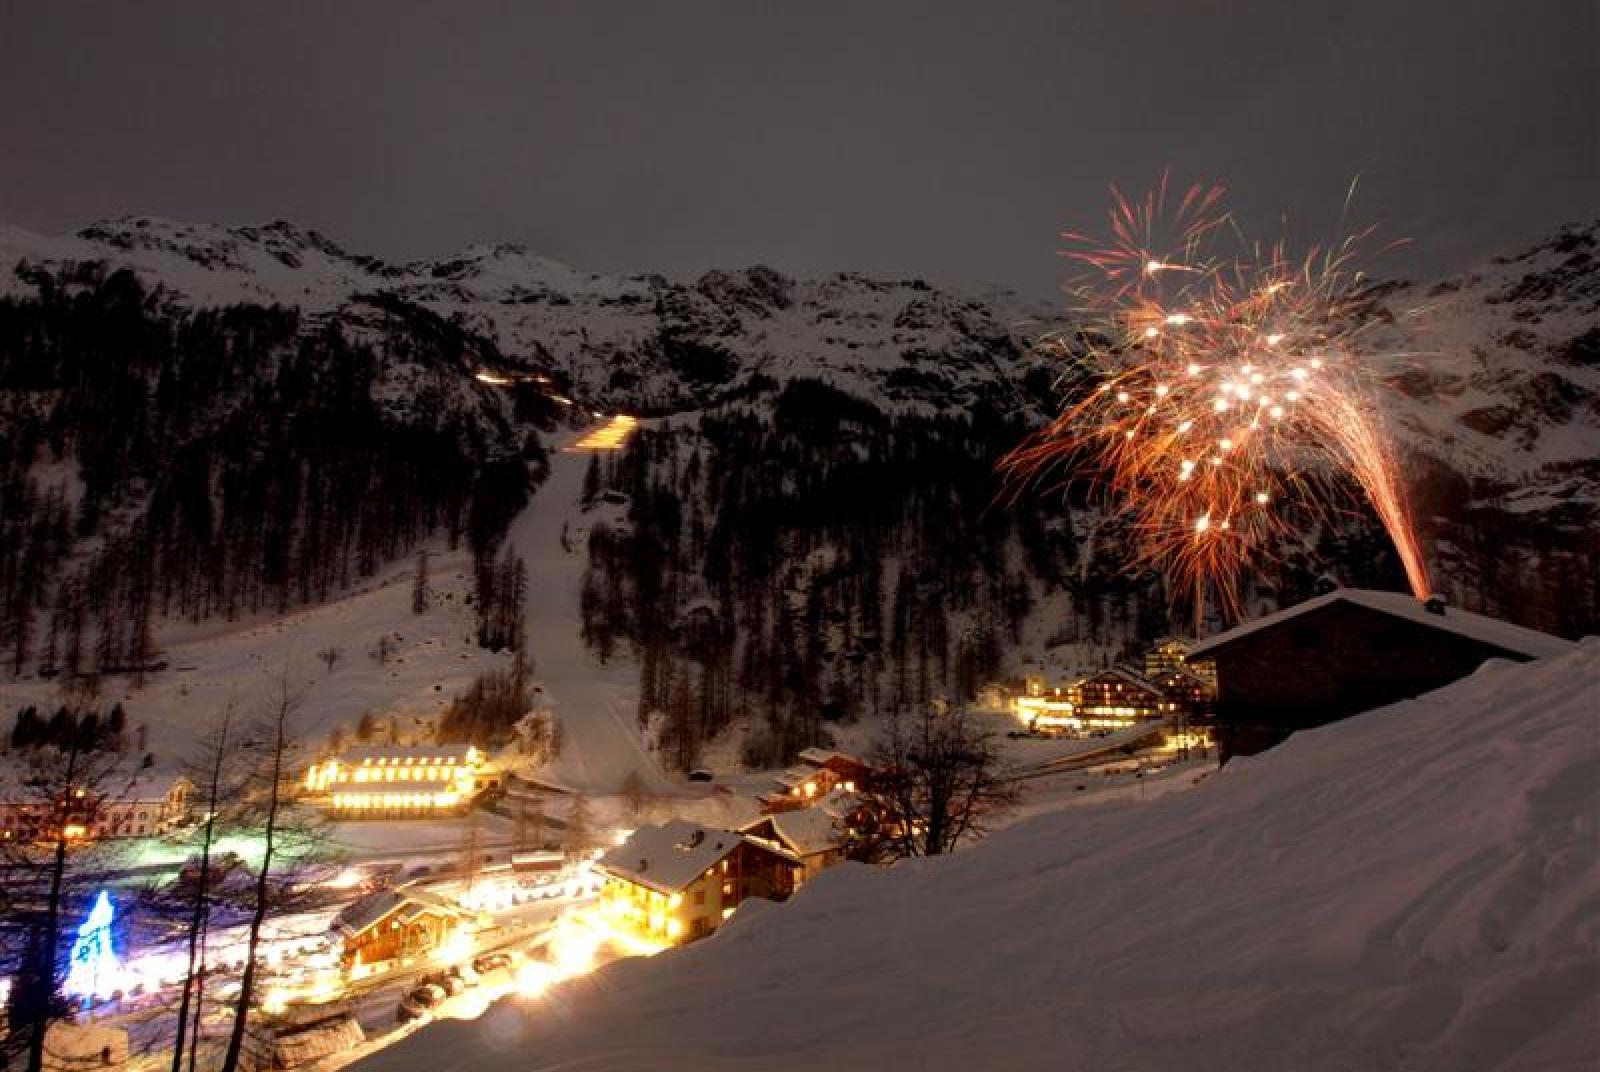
(419, 584)
(210, 772)
(580, 827)
(633, 795)
(936, 783)
(56, 805)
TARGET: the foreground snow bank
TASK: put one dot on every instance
(1417, 888)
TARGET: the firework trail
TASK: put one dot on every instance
(1212, 397)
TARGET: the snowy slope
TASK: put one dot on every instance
(636, 342)
(1499, 376)
(1499, 373)
(1417, 888)
(245, 662)
(595, 706)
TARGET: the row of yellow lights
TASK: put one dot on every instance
(396, 800)
(610, 436)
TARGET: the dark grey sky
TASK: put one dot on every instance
(951, 140)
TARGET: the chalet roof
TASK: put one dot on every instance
(795, 776)
(804, 831)
(409, 902)
(1125, 675)
(403, 752)
(670, 856)
(820, 757)
(149, 787)
(1511, 639)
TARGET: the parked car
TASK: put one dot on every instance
(448, 981)
(420, 1002)
(490, 962)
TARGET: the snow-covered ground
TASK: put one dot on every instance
(1417, 888)
(244, 663)
(595, 705)
(433, 657)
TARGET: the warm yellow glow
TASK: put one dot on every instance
(458, 949)
(534, 978)
(612, 435)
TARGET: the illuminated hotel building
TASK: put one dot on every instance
(390, 781)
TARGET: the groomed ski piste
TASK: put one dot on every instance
(248, 663)
(1416, 888)
(595, 705)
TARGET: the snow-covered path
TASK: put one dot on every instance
(595, 704)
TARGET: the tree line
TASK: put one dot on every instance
(220, 462)
(797, 568)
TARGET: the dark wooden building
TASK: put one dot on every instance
(1349, 651)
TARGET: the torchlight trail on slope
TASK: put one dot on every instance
(1209, 393)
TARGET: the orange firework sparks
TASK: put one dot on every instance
(1208, 393)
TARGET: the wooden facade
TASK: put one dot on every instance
(1337, 658)
(675, 883)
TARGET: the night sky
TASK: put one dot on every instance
(947, 140)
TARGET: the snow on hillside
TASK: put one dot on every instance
(1498, 376)
(595, 705)
(434, 656)
(1417, 888)
(1501, 366)
(626, 341)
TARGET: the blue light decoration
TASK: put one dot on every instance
(95, 971)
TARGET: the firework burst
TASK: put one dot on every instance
(1212, 397)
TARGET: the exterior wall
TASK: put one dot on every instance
(1331, 663)
(391, 939)
(106, 818)
(700, 907)
(400, 785)
(1108, 700)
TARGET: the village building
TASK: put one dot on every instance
(816, 836)
(398, 781)
(1348, 651)
(147, 806)
(1171, 654)
(677, 882)
(399, 927)
(820, 771)
(1188, 691)
(1116, 698)
(152, 805)
(1045, 707)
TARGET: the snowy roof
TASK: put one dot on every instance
(1122, 673)
(804, 831)
(670, 856)
(1512, 639)
(401, 753)
(409, 901)
(150, 786)
(819, 757)
(795, 776)
(840, 804)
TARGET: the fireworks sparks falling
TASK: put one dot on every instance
(1211, 393)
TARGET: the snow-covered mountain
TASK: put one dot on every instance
(1501, 383)
(1500, 378)
(1496, 406)
(1388, 892)
(639, 342)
